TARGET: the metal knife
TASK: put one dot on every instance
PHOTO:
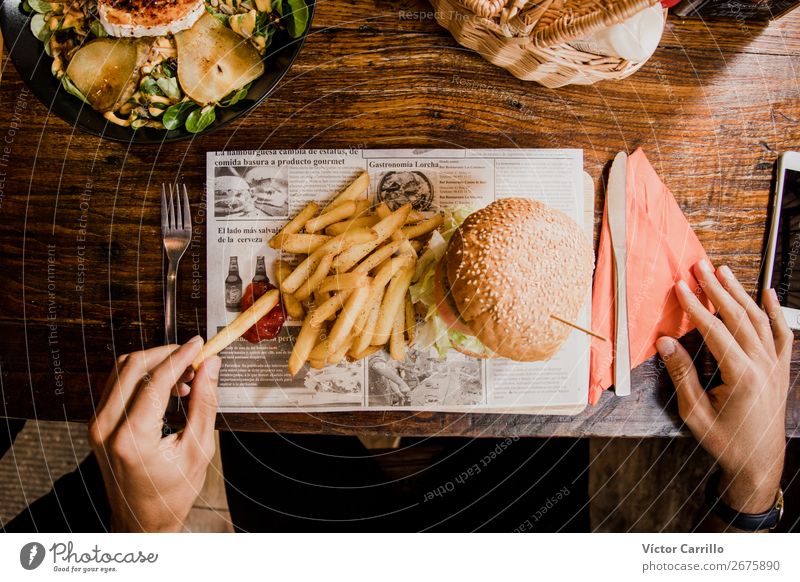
(617, 214)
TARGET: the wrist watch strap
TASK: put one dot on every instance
(742, 521)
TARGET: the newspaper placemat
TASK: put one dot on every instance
(252, 194)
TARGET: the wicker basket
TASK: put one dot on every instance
(530, 38)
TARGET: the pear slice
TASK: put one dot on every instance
(214, 61)
(106, 71)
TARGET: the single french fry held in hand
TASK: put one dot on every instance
(344, 281)
(397, 341)
(293, 307)
(384, 229)
(378, 256)
(295, 225)
(411, 320)
(303, 345)
(347, 318)
(391, 304)
(356, 189)
(328, 309)
(317, 277)
(238, 326)
(423, 227)
(301, 243)
(340, 212)
(345, 225)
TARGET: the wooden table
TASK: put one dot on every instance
(79, 216)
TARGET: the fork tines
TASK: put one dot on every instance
(175, 214)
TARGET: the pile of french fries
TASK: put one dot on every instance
(351, 286)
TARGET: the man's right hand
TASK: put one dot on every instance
(741, 421)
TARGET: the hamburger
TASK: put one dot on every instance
(492, 280)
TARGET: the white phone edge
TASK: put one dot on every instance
(786, 161)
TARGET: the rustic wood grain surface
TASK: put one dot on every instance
(79, 216)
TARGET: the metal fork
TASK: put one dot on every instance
(176, 231)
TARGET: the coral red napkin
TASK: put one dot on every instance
(661, 250)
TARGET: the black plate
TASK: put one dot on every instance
(33, 64)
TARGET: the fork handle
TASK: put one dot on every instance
(170, 306)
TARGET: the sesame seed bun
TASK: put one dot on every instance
(509, 267)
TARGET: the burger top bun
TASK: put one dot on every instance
(509, 267)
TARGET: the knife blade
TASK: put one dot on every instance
(617, 214)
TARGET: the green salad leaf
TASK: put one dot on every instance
(235, 96)
(298, 17)
(40, 29)
(175, 116)
(96, 27)
(199, 119)
(70, 88)
(40, 6)
(169, 86)
(150, 86)
(434, 333)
